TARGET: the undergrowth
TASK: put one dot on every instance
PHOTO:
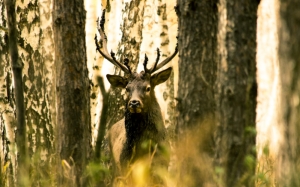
(186, 158)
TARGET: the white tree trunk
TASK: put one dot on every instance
(36, 53)
(267, 124)
(7, 107)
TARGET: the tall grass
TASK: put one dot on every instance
(189, 158)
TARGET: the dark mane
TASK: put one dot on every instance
(140, 128)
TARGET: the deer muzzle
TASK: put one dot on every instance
(135, 106)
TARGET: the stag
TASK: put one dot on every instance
(142, 130)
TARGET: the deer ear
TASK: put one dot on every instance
(117, 81)
(161, 77)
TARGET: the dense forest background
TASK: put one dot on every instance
(231, 105)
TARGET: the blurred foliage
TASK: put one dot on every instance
(99, 172)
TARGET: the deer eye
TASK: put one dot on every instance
(127, 89)
(148, 89)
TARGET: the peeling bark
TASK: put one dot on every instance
(34, 45)
(36, 52)
(17, 68)
(7, 107)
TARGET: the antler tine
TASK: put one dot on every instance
(126, 64)
(156, 61)
(102, 22)
(161, 64)
(145, 64)
(103, 40)
(100, 27)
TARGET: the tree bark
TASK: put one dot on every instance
(288, 168)
(236, 92)
(17, 67)
(7, 106)
(34, 43)
(72, 88)
(36, 53)
(197, 27)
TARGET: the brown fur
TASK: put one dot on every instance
(141, 133)
(142, 125)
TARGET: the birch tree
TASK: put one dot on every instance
(268, 110)
(7, 117)
(17, 68)
(34, 39)
(36, 48)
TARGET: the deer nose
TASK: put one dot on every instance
(134, 103)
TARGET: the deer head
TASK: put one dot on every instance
(139, 86)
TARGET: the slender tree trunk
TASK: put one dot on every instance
(162, 35)
(236, 92)
(17, 67)
(197, 26)
(288, 168)
(94, 63)
(72, 88)
(36, 53)
(7, 105)
(167, 36)
(267, 110)
(102, 120)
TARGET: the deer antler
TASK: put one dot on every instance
(157, 59)
(145, 64)
(103, 40)
(125, 67)
(157, 66)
